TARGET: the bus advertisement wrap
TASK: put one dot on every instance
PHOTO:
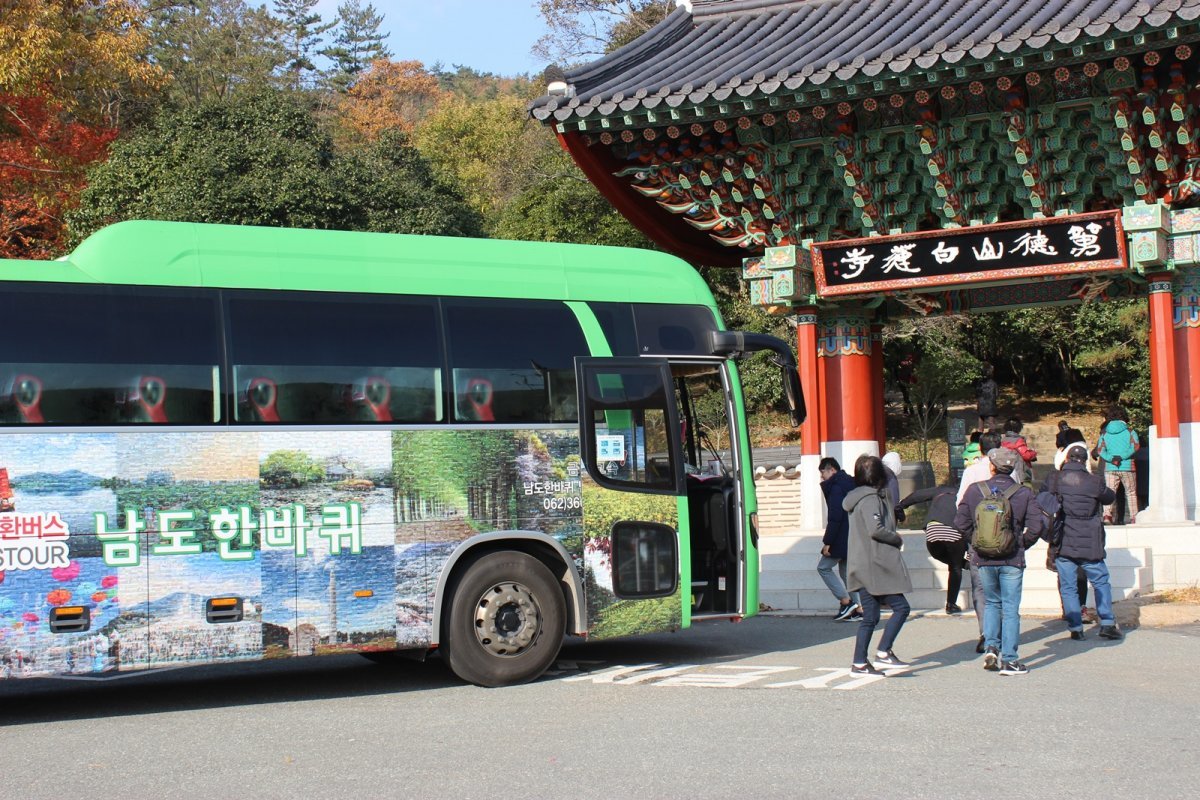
(332, 539)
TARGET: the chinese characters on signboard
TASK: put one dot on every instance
(1082, 243)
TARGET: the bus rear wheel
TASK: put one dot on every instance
(506, 621)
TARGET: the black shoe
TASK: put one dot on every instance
(857, 613)
(845, 612)
(1078, 636)
(889, 659)
(1014, 668)
(864, 669)
(1110, 632)
(979, 648)
(991, 659)
(952, 608)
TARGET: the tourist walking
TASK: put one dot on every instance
(876, 568)
(943, 541)
(1082, 547)
(1065, 437)
(981, 470)
(996, 518)
(1116, 447)
(835, 485)
(1014, 441)
(1063, 440)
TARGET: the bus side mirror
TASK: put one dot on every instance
(738, 344)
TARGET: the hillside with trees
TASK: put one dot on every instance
(235, 112)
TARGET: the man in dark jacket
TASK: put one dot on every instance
(835, 484)
(1084, 496)
(1002, 578)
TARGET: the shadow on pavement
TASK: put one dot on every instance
(35, 700)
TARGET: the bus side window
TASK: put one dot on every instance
(110, 355)
(513, 360)
(316, 358)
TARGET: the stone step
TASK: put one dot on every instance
(1130, 575)
(1039, 602)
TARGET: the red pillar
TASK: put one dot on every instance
(810, 382)
(1186, 321)
(1163, 378)
(844, 348)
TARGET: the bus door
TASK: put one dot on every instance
(634, 501)
(712, 462)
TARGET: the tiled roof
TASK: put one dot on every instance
(726, 49)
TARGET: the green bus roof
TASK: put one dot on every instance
(149, 253)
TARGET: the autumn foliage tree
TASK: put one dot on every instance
(65, 67)
(389, 96)
(44, 155)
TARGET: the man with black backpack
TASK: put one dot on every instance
(1083, 496)
(1000, 520)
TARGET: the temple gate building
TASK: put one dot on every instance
(755, 134)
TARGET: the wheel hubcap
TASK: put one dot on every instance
(507, 619)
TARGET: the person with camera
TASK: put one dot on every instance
(1084, 495)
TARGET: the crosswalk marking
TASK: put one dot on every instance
(721, 676)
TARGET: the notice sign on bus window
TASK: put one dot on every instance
(610, 448)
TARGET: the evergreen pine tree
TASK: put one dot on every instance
(302, 32)
(356, 44)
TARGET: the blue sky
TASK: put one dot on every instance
(488, 35)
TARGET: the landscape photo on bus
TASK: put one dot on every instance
(232, 443)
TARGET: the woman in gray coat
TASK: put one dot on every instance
(874, 565)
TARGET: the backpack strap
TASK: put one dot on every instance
(1010, 491)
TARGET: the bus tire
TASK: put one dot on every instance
(506, 621)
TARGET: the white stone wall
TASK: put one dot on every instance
(778, 491)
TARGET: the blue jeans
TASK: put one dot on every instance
(977, 598)
(836, 584)
(1097, 575)
(1002, 609)
(870, 618)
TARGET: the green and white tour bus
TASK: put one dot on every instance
(225, 443)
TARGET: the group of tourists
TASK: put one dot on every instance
(984, 524)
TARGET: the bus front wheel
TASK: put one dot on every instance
(506, 621)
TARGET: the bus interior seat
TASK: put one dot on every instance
(371, 398)
(146, 400)
(261, 399)
(477, 400)
(26, 392)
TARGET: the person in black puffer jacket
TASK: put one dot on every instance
(1083, 499)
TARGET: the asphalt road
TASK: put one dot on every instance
(763, 708)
